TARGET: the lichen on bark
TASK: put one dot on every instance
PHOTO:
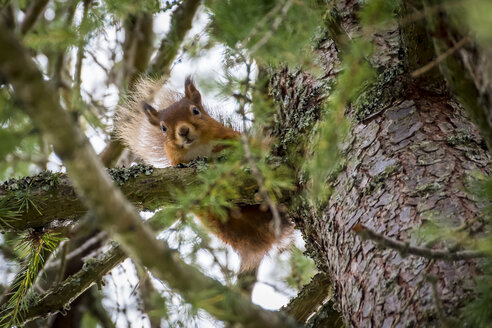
(402, 167)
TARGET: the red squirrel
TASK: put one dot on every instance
(179, 131)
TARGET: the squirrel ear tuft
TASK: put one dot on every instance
(151, 114)
(191, 92)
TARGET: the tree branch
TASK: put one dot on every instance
(60, 296)
(137, 47)
(404, 248)
(35, 9)
(147, 188)
(311, 297)
(113, 212)
(180, 24)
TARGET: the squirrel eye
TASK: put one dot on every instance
(163, 128)
(195, 111)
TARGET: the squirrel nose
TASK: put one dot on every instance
(184, 131)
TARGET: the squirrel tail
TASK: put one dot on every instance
(134, 129)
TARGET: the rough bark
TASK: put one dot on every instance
(411, 149)
(403, 167)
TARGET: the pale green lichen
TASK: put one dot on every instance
(461, 137)
(122, 175)
(379, 94)
(378, 180)
(428, 188)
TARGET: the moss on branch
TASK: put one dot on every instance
(53, 196)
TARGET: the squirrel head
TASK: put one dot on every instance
(189, 131)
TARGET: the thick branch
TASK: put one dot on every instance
(145, 187)
(311, 297)
(107, 202)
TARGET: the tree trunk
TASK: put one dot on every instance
(405, 166)
(411, 149)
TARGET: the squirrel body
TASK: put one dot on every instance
(180, 131)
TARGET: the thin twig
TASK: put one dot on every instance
(255, 171)
(80, 52)
(405, 248)
(60, 59)
(424, 69)
(275, 26)
(63, 263)
(79, 250)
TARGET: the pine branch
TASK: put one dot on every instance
(60, 296)
(113, 212)
(57, 201)
(405, 248)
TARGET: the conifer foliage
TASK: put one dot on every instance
(367, 123)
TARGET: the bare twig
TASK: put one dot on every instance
(424, 69)
(276, 23)
(35, 10)
(78, 251)
(63, 263)
(405, 248)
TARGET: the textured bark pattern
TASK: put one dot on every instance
(407, 161)
(404, 166)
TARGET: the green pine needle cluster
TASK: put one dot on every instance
(33, 248)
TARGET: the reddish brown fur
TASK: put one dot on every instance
(248, 229)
